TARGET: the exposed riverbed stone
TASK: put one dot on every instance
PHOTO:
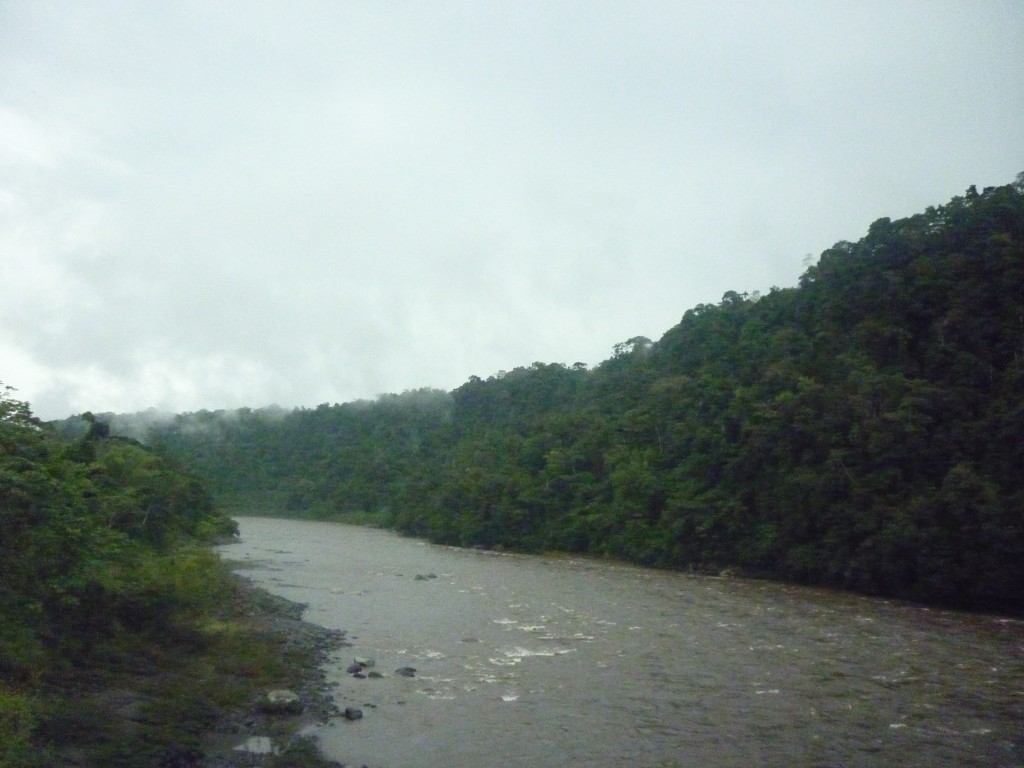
(257, 745)
(279, 618)
(282, 702)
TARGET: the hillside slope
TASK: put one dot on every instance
(863, 430)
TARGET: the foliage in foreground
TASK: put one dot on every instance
(105, 576)
(863, 430)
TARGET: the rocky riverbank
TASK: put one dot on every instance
(268, 729)
(196, 694)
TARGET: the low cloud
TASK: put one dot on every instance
(208, 206)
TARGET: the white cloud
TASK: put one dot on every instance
(216, 204)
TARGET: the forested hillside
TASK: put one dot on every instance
(863, 430)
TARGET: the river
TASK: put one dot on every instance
(561, 661)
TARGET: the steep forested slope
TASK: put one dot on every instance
(863, 430)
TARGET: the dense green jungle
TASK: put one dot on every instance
(124, 639)
(861, 430)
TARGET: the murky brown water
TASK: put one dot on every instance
(555, 661)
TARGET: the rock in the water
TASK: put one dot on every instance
(281, 702)
(406, 672)
(351, 713)
(374, 674)
(364, 661)
(353, 668)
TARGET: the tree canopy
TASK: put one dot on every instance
(90, 531)
(861, 430)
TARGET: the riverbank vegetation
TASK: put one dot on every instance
(862, 430)
(124, 640)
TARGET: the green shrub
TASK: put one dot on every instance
(17, 721)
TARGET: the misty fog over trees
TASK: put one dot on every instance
(862, 430)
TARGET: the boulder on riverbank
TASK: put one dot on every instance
(281, 702)
(306, 647)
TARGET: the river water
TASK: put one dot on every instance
(559, 661)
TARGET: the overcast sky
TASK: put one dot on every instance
(216, 204)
